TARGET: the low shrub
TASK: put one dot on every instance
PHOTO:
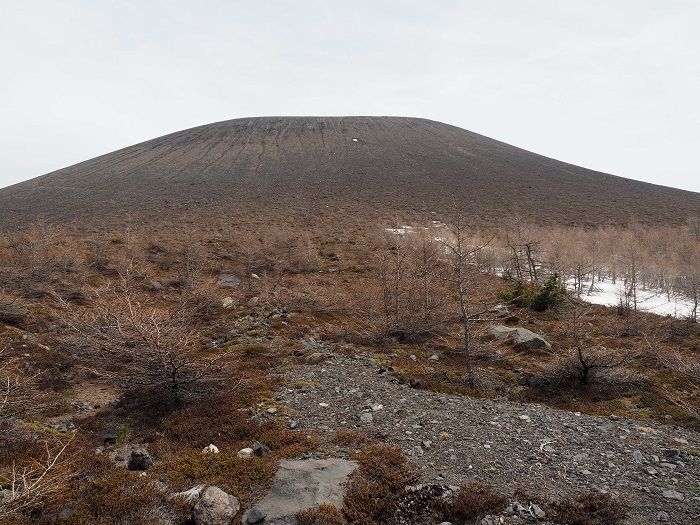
(474, 501)
(376, 486)
(324, 514)
(591, 509)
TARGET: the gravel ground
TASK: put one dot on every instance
(456, 439)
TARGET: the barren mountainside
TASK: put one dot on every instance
(381, 163)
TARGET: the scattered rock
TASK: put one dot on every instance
(227, 302)
(229, 279)
(672, 494)
(366, 417)
(259, 449)
(210, 449)
(64, 426)
(638, 456)
(434, 357)
(521, 338)
(255, 515)
(662, 516)
(245, 452)
(672, 454)
(537, 511)
(139, 460)
(215, 507)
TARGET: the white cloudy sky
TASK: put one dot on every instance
(610, 85)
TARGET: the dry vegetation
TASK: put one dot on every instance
(186, 325)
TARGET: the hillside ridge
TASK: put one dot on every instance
(388, 163)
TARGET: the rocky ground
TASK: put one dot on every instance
(549, 454)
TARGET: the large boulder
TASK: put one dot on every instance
(520, 338)
(215, 507)
(299, 485)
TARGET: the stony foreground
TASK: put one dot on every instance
(539, 450)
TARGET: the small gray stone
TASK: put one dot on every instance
(537, 511)
(255, 515)
(672, 494)
(662, 516)
(140, 459)
(638, 456)
(671, 454)
(366, 417)
(260, 449)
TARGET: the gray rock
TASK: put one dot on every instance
(302, 484)
(366, 417)
(215, 507)
(638, 456)
(521, 338)
(140, 459)
(260, 449)
(671, 454)
(255, 515)
(537, 511)
(662, 516)
(672, 494)
(229, 279)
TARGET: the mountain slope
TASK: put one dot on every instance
(383, 163)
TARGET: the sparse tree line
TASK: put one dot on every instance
(661, 259)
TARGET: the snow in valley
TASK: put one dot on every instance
(608, 293)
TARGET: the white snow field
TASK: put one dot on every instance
(608, 293)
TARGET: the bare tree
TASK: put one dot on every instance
(147, 345)
(461, 253)
(18, 392)
(586, 358)
(29, 485)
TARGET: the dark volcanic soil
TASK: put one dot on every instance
(390, 164)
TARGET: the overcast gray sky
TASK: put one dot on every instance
(609, 85)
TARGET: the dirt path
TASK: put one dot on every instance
(455, 439)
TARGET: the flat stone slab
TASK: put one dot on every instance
(519, 337)
(301, 484)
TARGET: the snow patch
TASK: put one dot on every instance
(608, 293)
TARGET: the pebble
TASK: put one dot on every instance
(672, 494)
(538, 511)
(366, 417)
